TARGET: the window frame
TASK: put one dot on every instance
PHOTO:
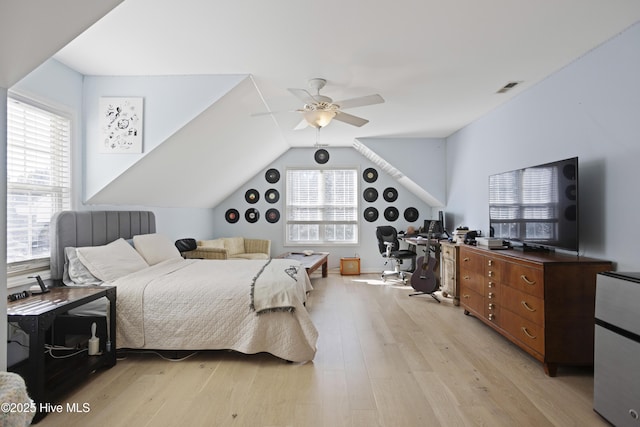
(17, 270)
(323, 243)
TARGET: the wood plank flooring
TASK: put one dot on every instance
(384, 359)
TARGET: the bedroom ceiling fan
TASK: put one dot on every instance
(319, 110)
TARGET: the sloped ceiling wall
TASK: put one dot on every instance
(23, 23)
(206, 160)
(418, 164)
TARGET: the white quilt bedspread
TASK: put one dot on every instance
(206, 305)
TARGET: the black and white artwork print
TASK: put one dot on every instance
(121, 125)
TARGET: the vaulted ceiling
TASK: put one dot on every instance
(437, 64)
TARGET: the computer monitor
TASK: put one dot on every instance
(433, 227)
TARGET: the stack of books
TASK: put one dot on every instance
(489, 242)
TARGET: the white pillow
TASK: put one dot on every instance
(112, 261)
(75, 273)
(155, 248)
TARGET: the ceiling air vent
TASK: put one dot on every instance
(509, 86)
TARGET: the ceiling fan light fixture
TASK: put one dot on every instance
(319, 118)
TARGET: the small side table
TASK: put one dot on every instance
(47, 380)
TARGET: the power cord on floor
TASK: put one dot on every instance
(50, 348)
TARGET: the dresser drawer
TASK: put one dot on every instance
(471, 280)
(492, 311)
(472, 301)
(523, 330)
(471, 261)
(448, 251)
(523, 304)
(493, 269)
(524, 278)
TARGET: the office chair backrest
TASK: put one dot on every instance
(386, 233)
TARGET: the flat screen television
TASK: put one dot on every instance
(537, 206)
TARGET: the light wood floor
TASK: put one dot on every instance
(384, 359)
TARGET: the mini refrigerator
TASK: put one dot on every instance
(616, 388)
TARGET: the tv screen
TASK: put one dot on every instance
(536, 206)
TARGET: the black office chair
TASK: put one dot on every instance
(389, 247)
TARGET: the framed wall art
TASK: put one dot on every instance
(121, 122)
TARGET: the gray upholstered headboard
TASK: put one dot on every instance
(93, 228)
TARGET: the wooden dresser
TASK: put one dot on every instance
(542, 302)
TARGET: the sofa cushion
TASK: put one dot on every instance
(234, 245)
(217, 243)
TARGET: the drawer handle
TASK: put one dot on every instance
(466, 259)
(525, 305)
(527, 281)
(467, 277)
(467, 296)
(526, 332)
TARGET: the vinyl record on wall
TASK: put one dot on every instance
(411, 214)
(321, 156)
(232, 216)
(391, 213)
(370, 175)
(252, 196)
(371, 214)
(272, 195)
(252, 215)
(390, 194)
(571, 192)
(272, 215)
(272, 176)
(370, 194)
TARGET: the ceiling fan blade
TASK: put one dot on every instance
(302, 95)
(361, 101)
(350, 119)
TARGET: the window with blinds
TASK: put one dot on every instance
(322, 206)
(38, 180)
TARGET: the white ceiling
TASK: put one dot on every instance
(438, 64)
(23, 45)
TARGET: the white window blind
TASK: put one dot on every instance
(38, 178)
(322, 206)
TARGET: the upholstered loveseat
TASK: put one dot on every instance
(231, 248)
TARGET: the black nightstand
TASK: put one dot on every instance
(47, 377)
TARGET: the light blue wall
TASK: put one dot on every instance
(170, 102)
(304, 157)
(589, 109)
(55, 84)
(423, 160)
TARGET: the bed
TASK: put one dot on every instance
(165, 302)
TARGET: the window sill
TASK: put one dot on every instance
(23, 279)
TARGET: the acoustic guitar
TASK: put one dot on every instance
(424, 278)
